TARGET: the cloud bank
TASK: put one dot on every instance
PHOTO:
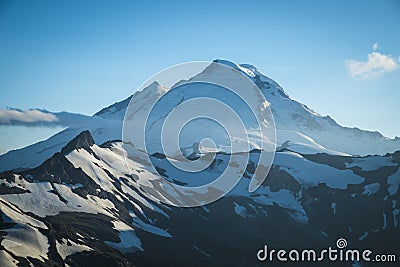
(8, 116)
(40, 118)
(376, 65)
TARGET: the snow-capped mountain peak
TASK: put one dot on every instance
(75, 199)
(289, 116)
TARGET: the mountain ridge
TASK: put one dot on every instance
(107, 220)
(289, 115)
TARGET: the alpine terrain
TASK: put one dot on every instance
(71, 200)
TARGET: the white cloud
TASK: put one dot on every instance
(376, 65)
(7, 116)
(43, 118)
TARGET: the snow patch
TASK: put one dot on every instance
(384, 221)
(370, 163)
(311, 173)
(240, 210)
(363, 236)
(6, 260)
(42, 202)
(333, 207)
(68, 247)
(25, 241)
(137, 222)
(393, 182)
(395, 212)
(370, 189)
(129, 240)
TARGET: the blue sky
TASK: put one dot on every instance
(80, 56)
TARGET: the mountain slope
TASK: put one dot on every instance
(289, 116)
(294, 116)
(95, 214)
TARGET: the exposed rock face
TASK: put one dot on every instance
(83, 140)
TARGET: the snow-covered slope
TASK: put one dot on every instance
(84, 204)
(81, 204)
(290, 117)
(301, 143)
(31, 156)
(294, 116)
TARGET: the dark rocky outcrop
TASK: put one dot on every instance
(83, 140)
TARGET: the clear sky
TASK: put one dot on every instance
(80, 56)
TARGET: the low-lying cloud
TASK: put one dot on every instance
(40, 118)
(9, 116)
(376, 65)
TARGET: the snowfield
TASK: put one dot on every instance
(302, 127)
(85, 201)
